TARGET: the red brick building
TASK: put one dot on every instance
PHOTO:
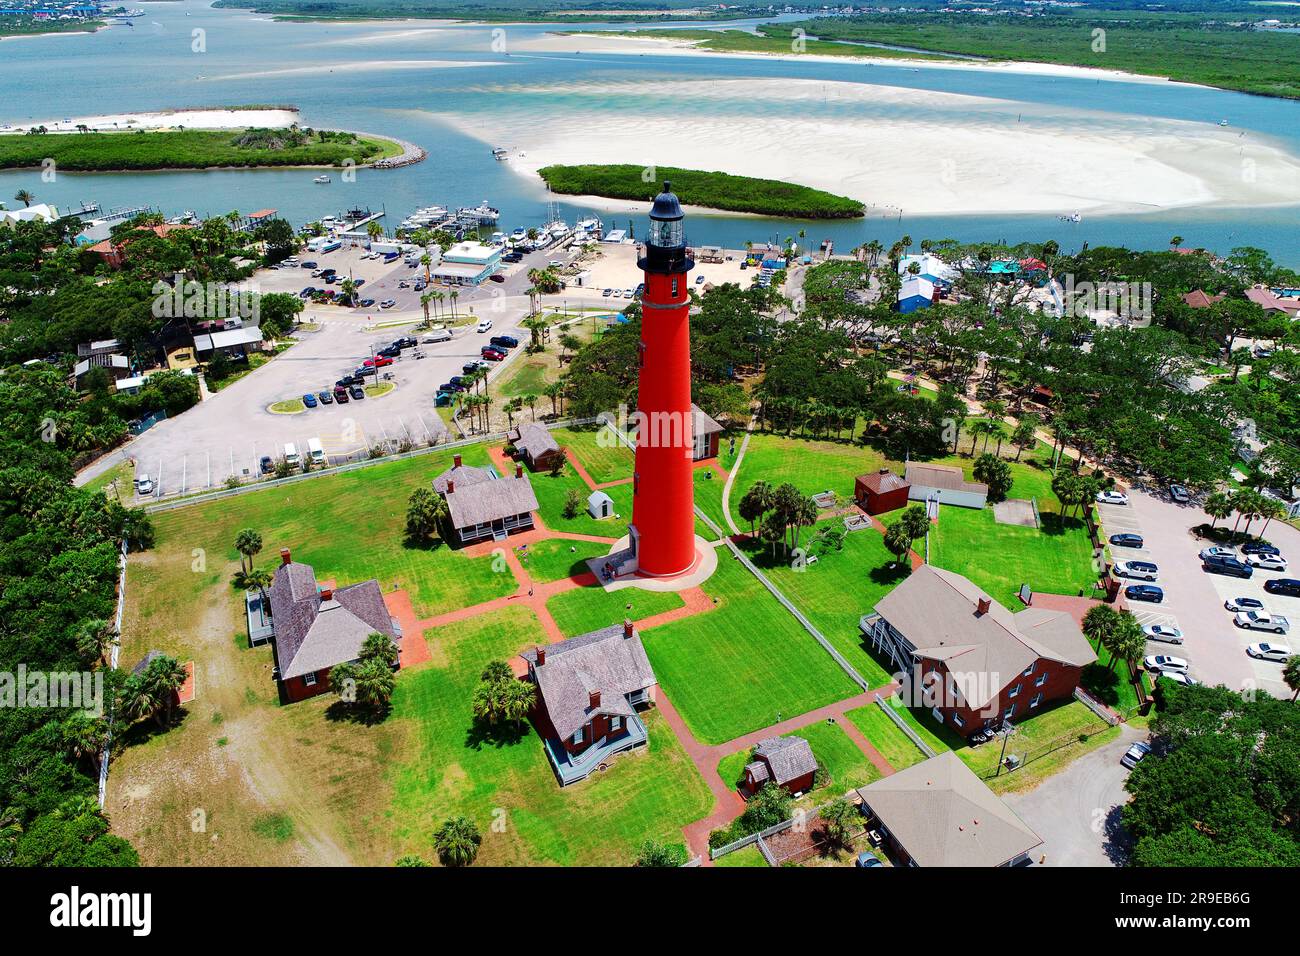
(316, 628)
(880, 492)
(969, 660)
(589, 689)
(785, 761)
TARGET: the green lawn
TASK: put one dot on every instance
(745, 856)
(551, 491)
(708, 498)
(1056, 559)
(744, 665)
(599, 450)
(811, 466)
(557, 558)
(649, 793)
(1112, 686)
(586, 609)
(529, 376)
(894, 745)
(349, 527)
(837, 590)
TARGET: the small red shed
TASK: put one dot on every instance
(881, 491)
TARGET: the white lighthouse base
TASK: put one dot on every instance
(627, 575)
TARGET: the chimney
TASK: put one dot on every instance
(451, 486)
(594, 698)
(983, 606)
(541, 655)
(519, 470)
(627, 627)
(284, 556)
(455, 461)
(884, 471)
(326, 594)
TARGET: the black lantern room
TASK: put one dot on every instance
(665, 250)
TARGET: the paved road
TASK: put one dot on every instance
(1076, 811)
(1194, 599)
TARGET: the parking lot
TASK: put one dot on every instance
(1193, 599)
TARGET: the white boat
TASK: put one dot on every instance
(321, 179)
(500, 152)
(1074, 218)
(1223, 122)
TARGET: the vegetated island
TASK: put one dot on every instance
(23, 26)
(778, 44)
(507, 11)
(712, 190)
(192, 149)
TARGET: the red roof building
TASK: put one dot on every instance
(881, 491)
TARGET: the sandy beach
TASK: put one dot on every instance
(166, 119)
(924, 151)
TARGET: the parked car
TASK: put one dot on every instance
(484, 325)
(1108, 497)
(143, 484)
(1165, 662)
(357, 392)
(1178, 677)
(1259, 547)
(309, 265)
(1142, 570)
(341, 394)
(1243, 604)
(325, 398)
(1217, 552)
(1135, 754)
(307, 291)
(496, 277)
(1126, 540)
(388, 303)
(1261, 621)
(491, 354)
(366, 303)
(406, 342)
(1287, 586)
(309, 400)
(449, 387)
(606, 293)
(1163, 632)
(266, 465)
(1144, 592)
(868, 861)
(1267, 562)
(363, 370)
(1277, 653)
(378, 362)
(1234, 568)
(504, 341)
(1180, 494)
(469, 368)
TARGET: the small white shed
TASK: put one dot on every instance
(600, 505)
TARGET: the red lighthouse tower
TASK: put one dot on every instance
(663, 501)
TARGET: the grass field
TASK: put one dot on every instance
(744, 665)
(708, 498)
(745, 856)
(599, 450)
(836, 591)
(551, 491)
(179, 149)
(1056, 559)
(452, 769)
(894, 745)
(586, 609)
(557, 558)
(835, 751)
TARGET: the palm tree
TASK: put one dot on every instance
(1269, 508)
(457, 841)
(248, 543)
(1218, 505)
(555, 392)
(1128, 642)
(425, 299)
(453, 295)
(25, 197)
(85, 737)
(426, 260)
(1291, 674)
(1099, 623)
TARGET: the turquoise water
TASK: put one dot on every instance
(152, 65)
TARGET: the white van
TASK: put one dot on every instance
(143, 485)
(291, 454)
(484, 325)
(315, 451)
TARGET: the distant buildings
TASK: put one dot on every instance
(705, 433)
(534, 441)
(1269, 300)
(946, 485)
(931, 268)
(113, 254)
(468, 263)
(916, 292)
(881, 492)
(40, 212)
(787, 762)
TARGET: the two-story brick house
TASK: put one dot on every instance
(970, 660)
(589, 689)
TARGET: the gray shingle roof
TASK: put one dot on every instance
(311, 634)
(936, 610)
(535, 440)
(463, 476)
(486, 501)
(945, 477)
(604, 661)
(702, 423)
(786, 757)
(944, 815)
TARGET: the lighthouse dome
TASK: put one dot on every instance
(666, 206)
